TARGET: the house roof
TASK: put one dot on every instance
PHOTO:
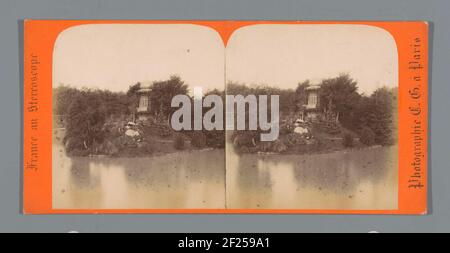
(145, 86)
(313, 87)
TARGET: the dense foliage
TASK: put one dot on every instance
(85, 112)
(347, 141)
(355, 111)
(95, 119)
(90, 114)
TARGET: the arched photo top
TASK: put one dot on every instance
(285, 54)
(115, 56)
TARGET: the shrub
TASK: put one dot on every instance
(278, 146)
(347, 141)
(244, 138)
(123, 142)
(80, 152)
(146, 147)
(294, 139)
(198, 139)
(73, 144)
(108, 148)
(215, 138)
(179, 142)
(367, 136)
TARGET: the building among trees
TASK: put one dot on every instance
(143, 110)
(311, 109)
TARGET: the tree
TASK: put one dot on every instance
(378, 112)
(133, 96)
(163, 92)
(62, 98)
(300, 93)
(132, 90)
(287, 97)
(384, 107)
(338, 96)
(85, 122)
(86, 116)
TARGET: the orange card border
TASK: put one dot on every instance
(39, 39)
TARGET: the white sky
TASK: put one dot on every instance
(118, 55)
(284, 55)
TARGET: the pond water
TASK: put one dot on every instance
(181, 180)
(356, 179)
(351, 179)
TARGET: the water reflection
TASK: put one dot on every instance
(357, 179)
(183, 180)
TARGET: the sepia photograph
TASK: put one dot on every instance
(337, 142)
(152, 116)
(113, 144)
